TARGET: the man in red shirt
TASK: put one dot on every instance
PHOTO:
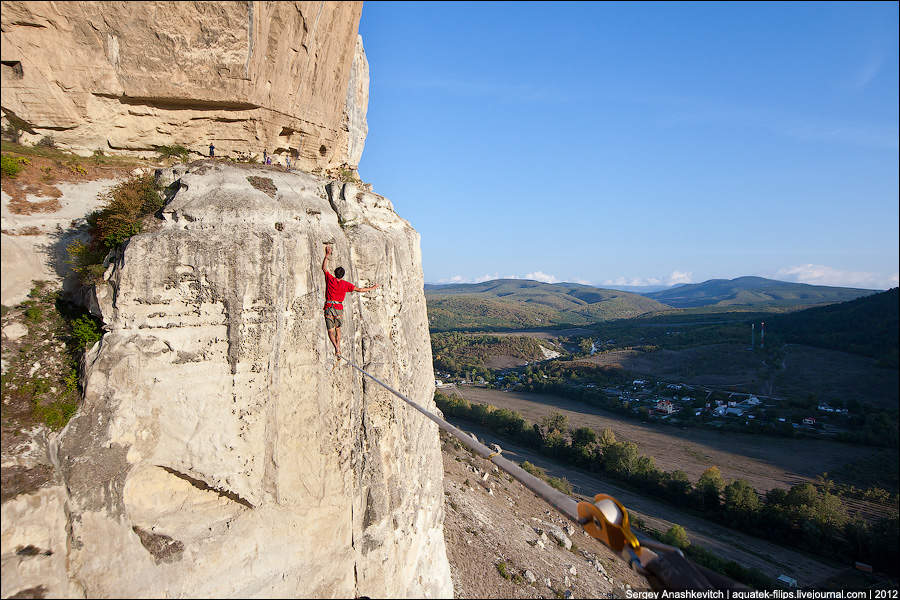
(335, 290)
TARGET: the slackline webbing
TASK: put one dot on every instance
(562, 502)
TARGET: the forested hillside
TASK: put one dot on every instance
(866, 326)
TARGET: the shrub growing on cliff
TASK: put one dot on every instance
(120, 217)
(126, 204)
(86, 262)
(12, 165)
(85, 331)
(176, 151)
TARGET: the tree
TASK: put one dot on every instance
(585, 345)
(740, 497)
(830, 511)
(676, 536)
(709, 488)
(607, 438)
(555, 443)
(803, 494)
(678, 486)
(621, 457)
(555, 421)
(583, 436)
(776, 496)
(825, 484)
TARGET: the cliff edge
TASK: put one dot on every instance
(217, 453)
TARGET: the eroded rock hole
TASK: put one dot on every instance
(163, 547)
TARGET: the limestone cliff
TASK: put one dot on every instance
(216, 452)
(131, 76)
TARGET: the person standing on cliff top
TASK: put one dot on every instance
(335, 290)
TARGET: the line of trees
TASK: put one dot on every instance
(806, 516)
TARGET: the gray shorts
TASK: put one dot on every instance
(333, 317)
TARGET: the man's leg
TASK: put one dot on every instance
(335, 340)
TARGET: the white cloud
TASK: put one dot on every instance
(536, 276)
(825, 275)
(541, 276)
(582, 281)
(674, 278)
(634, 281)
(680, 277)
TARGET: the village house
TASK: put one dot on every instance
(665, 407)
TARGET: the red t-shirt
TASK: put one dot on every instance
(335, 290)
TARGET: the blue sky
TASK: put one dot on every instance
(659, 143)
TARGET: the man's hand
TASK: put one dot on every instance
(325, 260)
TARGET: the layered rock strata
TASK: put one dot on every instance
(244, 76)
(217, 453)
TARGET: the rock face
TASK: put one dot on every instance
(217, 453)
(357, 104)
(289, 77)
(34, 244)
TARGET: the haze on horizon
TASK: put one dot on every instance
(639, 143)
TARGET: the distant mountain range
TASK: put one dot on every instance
(754, 292)
(641, 289)
(520, 303)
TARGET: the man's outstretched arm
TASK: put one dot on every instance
(367, 289)
(325, 260)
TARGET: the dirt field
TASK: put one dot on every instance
(771, 559)
(716, 365)
(765, 461)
